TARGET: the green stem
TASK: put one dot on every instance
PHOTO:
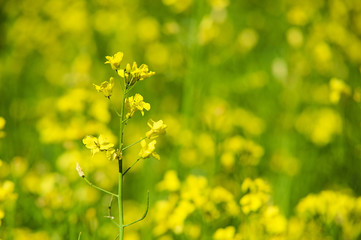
(99, 188)
(120, 182)
(131, 166)
(120, 206)
(133, 144)
(114, 108)
(145, 213)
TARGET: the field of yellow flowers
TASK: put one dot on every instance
(180, 119)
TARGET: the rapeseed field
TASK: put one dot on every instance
(180, 119)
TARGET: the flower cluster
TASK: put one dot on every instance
(257, 194)
(188, 199)
(134, 74)
(320, 213)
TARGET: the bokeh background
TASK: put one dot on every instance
(261, 99)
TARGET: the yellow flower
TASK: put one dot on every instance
(338, 87)
(115, 60)
(170, 182)
(148, 150)
(97, 144)
(133, 74)
(257, 195)
(2, 215)
(2, 125)
(157, 128)
(7, 191)
(251, 202)
(227, 233)
(106, 87)
(134, 104)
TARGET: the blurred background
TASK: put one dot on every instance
(261, 99)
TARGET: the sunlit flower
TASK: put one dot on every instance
(227, 233)
(133, 74)
(106, 87)
(170, 182)
(2, 215)
(148, 150)
(136, 103)
(80, 172)
(257, 194)
(7, 190)
(338, 87)
(157, 128)
(115, 60)
(2, 125)
(97, 144)
(274, 221)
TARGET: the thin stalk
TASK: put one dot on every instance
(120, 181)
(114, 108)
(133, 144)
(145, 213)
(99, 188)
(131, 166)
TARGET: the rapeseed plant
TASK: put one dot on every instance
(129, 106)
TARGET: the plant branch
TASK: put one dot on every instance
(99, 188)
(145, 214)
(131, 166)
(133, 144)
(110, 209)
(120, 174)
(115, 110)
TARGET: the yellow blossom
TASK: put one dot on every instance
(257, 195)
(170, 182)
(136, 103)
(97, 144)
(157, 128)
(227, 233)
(133, 74)
(338, 87)
(148, 150)
(106, 87)
(115, 60)
(274, 221)
(7, 191)
(251, 203)
(2, 215)
(2, 125)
